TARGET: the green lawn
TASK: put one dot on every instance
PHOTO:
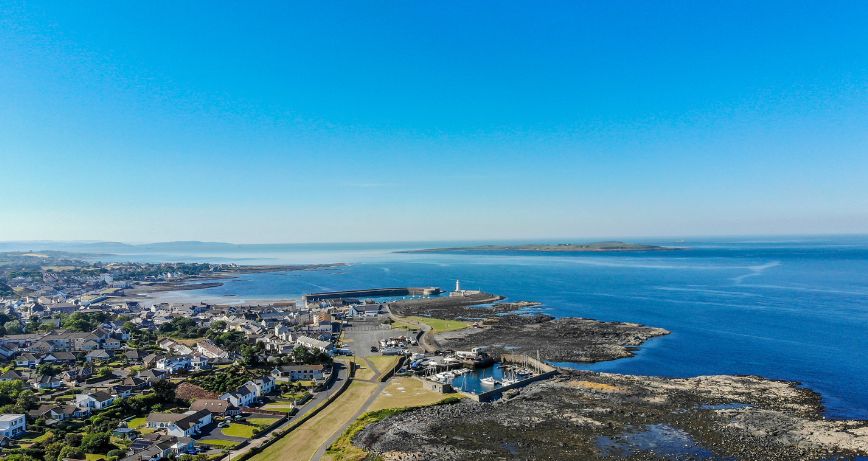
(239, 430)
(218, 443)
(136, 423)
(263, 422)
(93, 457)
(37, 439)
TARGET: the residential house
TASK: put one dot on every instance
(94, 400)
(215, 406)
(12, 425)
(47, 382)
(185, 424)
(26, 360)
(99, 355)
(300, 372)
(151, 376)
(60, 358)
(211, 350)
(11, 375)
(263, 385)
(172, 364)
(311, 343)
(241, 397)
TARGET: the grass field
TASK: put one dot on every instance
(302, 443)
(438, 325)
(239, 430)
(363, 372)
(383, 362)
(405, 391)
(93, 457)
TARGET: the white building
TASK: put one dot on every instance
(12, 425)
(94, 400)
(311, 343)
(185, 424)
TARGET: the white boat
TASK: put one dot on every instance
(489, 381)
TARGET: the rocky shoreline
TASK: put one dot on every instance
(567, 339)
(595, 416)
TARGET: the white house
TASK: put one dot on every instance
(12, 425)
(300, 372)
(364, 310)
(311, 343)
(242, 397)
(185, 424)
(263, 385)
(94, 400)
(211, 350)
(172, 364)
(200, 362)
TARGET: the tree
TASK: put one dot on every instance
(19, 457)
(80, 321)
(26, 401)
(46, 368)
(73, 439)
(71, 452)
(95, 442)
(52, 450)
(165, 391)
(12, 327)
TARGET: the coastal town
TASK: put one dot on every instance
(97, 364)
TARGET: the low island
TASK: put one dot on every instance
(550, 248)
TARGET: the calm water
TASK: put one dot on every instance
(792, 309)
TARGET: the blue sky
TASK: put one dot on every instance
(363, 121)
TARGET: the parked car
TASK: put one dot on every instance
(373, 348)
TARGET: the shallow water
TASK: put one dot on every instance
(661, 439)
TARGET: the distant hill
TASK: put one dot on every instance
(551, 247)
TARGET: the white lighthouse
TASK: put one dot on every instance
(458, 291)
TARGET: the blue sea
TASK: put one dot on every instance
(783, 308)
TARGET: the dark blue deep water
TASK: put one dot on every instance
(794, 309)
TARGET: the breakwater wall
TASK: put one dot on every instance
(371, 293)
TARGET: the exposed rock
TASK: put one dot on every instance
(590, 416)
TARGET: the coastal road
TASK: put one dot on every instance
(320, 452)
(343, 374)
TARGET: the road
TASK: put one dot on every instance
(359, 338)
(320, 452)
(320, 397)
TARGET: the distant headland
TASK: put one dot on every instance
(551, 247)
